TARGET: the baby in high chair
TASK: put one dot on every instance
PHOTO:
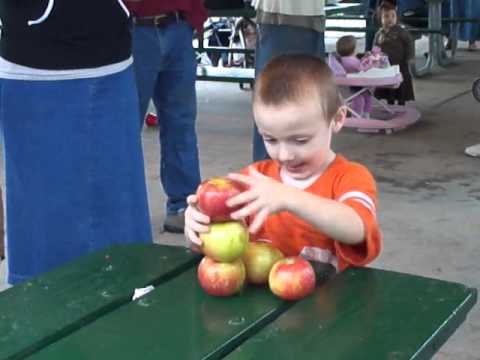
(346, 46)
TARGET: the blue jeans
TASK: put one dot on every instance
(371, 22)
(165, 68)
(75, 179)
(275, 40)
(469, 9)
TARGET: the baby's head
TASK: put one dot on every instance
(346, 45)
(249, 30)
(388, 14)
(297, 107)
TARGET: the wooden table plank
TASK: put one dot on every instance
(178, 321)
(39, 312)
(365, 314)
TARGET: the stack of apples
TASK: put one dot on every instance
(231, 260)
(222, 271)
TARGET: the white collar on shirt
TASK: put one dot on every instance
(299, 184)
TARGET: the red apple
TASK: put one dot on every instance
(292, 278)
(212, 196)
(219, 278)
(151, 119)
(259, 259)
(225, 242)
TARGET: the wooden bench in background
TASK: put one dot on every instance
(226, 74)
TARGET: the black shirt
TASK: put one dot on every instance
(64, 34)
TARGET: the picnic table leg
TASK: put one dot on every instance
(437, 54)
(441, 54)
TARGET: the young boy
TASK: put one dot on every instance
(306, 200)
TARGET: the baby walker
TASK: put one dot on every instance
(376, 72)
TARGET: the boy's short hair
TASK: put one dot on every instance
(346, 45)
(293, 78)
(385, 6)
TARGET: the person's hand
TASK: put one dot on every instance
(264, 196)
(195, 222)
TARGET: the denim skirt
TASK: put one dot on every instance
(74, 171)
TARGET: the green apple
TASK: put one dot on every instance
(225, 242)
(259, 259)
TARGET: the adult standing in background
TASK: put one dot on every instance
(371, 22)
(469, 31)
(165, 68)
(74, 168)
(286, 27)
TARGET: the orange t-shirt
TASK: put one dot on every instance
(344, 181)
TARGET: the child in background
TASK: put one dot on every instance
(397, 43)
(244, 37)
(306, 200)
(346, 45)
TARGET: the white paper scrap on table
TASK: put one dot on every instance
(138, 293)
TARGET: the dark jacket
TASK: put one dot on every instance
(400, 48)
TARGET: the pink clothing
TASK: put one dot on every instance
(351, 64)
(362, 103)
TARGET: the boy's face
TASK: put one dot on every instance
(389, 18)
(297, 136)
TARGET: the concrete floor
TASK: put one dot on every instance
(429, 190)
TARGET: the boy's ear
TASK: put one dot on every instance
(339, 119)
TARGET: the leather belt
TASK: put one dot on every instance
(159, 20)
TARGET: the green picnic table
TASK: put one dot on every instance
(85, 310)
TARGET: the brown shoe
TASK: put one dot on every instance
(175, 223)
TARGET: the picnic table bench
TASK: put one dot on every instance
(242, 75)
(84, 310)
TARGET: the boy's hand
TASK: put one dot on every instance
(264, 196)
(195, 222)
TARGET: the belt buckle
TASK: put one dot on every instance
(157, 20)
